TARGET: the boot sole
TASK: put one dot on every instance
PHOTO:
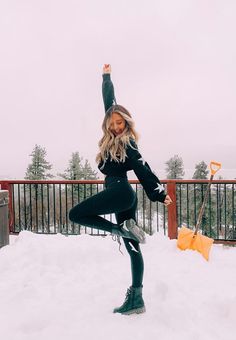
(135, 311)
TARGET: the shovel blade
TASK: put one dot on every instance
(202, 244)
(185, 238)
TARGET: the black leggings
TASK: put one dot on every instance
(118, 197)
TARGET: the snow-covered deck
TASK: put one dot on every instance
(65, 288)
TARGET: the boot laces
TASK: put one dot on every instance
(128, 293)
(116, 238)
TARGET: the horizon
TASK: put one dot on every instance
(227, 174)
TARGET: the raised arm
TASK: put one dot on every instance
(107, 88)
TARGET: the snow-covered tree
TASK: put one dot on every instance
(77, 170)
(88, 172)
(201, 171)
(39, 168)
(175, 168)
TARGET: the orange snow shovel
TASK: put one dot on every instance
(189, 239)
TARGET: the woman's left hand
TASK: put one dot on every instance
(106, 68)
(168, 200)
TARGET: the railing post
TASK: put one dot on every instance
(4, 230)
(172, 211)
(7, 186)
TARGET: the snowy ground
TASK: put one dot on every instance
(64, 288)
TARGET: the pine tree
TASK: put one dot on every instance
(79, 171)
(38, 169)
(35, 209)
(75, 168)
(175, 168)
(201, 171)
(88, 172)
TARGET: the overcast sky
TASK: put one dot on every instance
(173, 67)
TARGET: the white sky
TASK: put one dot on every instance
(65, 288)
(173, 66)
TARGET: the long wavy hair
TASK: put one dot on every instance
(115, 146)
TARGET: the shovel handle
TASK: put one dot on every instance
(214, 166)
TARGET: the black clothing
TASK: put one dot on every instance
(135, 162)
(119, 198)
(108, 91)
(111, 200)
(133, 302)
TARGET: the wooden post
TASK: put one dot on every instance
(172, 211)
(7, 186)
(4, 229)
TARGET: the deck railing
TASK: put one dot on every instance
(43, 207)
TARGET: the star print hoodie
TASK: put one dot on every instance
(134, 161)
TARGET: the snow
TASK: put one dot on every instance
(65, 288)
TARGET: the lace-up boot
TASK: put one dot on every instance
(135, 230)
(133, 302)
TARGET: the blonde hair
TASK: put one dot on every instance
(115, 146)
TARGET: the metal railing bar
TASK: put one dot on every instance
(187, 204)
(60, 209)
(19, 206)
(30, 206)
(48, 209)
(54, 207)
(42, 210)
(13, 206)
(67, 226)
(225, 210)
(24, 195)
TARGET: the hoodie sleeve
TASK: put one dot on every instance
(151, 184)
(108, 91)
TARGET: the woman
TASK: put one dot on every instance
(119, 154)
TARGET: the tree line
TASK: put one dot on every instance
(39, 168)
(45, 205)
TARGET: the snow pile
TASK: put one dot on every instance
(65, 288)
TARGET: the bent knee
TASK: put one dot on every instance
(71, 215)
(74, 214)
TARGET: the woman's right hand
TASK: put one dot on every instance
(168, 200)
(106, 69)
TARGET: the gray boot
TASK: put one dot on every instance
(133, 302)
(135, 230)
(120, 231)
